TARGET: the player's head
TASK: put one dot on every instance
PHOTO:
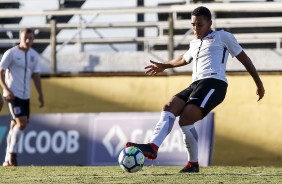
(26, 38)
(201, 21)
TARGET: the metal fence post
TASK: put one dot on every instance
(170, 44)
(53, 43)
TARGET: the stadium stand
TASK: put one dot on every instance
(41, 33)
(256, 25)
(10, 34)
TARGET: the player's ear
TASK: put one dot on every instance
(210, 23)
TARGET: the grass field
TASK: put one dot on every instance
(149, 174)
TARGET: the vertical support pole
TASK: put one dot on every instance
(53, 43)
(170, 44)
(140, 18)
(213, 13)
(79, 38)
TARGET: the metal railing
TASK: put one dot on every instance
(173, 23)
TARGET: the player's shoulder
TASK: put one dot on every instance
(225, 36)
(222, 32)
(10, 52)
(13, 49)
(33, 52)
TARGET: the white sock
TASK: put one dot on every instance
(7, 156)
(190, 137)
(15, 136)
(163, 128)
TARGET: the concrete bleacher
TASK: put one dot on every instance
(239, 25)
(11, 24)
(8, 20)
(256, 25)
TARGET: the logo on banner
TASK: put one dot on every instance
(114, 134)
(3, 130)
(44, 141)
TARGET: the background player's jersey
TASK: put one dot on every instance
(19, 66)
(209, 55)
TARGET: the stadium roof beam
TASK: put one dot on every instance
(215, 7)
(178, 24)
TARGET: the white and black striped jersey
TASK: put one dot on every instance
(19, 67)
(209, 55)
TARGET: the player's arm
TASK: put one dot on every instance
(246, 61)
(155, 67)
(38, 87)
(4, 64)
(1, 79)
(7, 92)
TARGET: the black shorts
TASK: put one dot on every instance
(205, 93)
(19, 107)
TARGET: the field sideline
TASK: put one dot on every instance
(149, 174)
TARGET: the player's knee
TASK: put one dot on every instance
(22, 122)
(173, 108)
(190, 115)
(22, 126)
(13, 123)
(186, 120)
(170, 105)
(166, 107)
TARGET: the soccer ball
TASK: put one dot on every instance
(131, 159)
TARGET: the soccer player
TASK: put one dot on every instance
(208, 52)
(19, 65)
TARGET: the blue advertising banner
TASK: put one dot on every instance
(97, 139)
(51, 139)
(111, 131)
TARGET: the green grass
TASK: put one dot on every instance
(149, 174)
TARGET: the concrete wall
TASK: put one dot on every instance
(263, 59)
(247, 132)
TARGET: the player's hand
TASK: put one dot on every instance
(260, 92)
(154, 68)
(9, 95)
(41, 101)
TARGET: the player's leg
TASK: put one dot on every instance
(171, 110)
(17, 131)
(166, 121)
(205, 97)
(190, 114)
(11, 105)
(7, 155)
(162, 128)
(19, 110)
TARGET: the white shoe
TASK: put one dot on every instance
(6, 164)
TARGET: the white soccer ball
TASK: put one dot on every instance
(131, 159)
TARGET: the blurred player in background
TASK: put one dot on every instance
(1, 102)
(18, 66)
(208, 52)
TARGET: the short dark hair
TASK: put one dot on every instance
(26, 30)
(201, 10)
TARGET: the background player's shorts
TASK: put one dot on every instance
(205, 93)
(19, 107)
